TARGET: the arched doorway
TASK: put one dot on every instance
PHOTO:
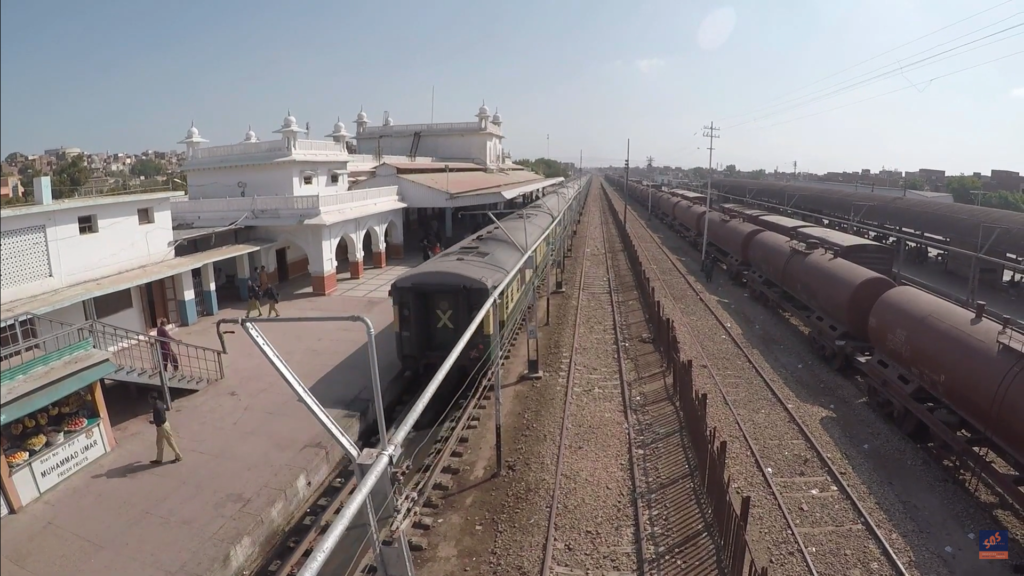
(341, 256)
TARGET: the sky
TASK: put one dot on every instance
(780, 78)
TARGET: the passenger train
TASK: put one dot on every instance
(435, 302)
(947, 375)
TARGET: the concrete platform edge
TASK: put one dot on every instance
(246, 554)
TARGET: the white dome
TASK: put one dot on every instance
(192, 132)
(497, 117)
(250, 135)
(339, 127)
(361, 117)
(389, 122)
(289, 120)
(484, 111)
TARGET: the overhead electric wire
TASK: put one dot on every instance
(910, 67)
(900, 68)
(898, 89)
(877, 56)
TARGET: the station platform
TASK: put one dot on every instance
(252, 456)
(933, 276)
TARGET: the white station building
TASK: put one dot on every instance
(317, 208)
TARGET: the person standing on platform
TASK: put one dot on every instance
(273, 299)
(168, 359)
(164, 435)
(254, 300)
(264, 278)
(427, 244)
(709, 268)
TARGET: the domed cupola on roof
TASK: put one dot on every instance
(390, 121)
(250, 136)
(483, 115)
(496, 120)
(361, 121)
(192, 140)
(339, 134)
(290, 130)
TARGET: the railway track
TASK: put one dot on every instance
(831, 528)
(602, 530)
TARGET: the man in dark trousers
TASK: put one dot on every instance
(427, 245)
(274, 299)
(164, 435)
(254, 300)
(709, 268)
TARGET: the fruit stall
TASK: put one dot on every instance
(52, 442)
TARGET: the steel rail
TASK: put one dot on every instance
(388, 453)
(875, 532)
(641, 545)
(549, 545)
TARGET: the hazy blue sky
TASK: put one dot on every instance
(126, 76)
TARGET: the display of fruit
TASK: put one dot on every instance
(15, 458)
(41, 418)
(34, 442)
(16, 428)
(76, 423)
(53, 410)
(28, 422)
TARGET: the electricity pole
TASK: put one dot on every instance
(709, 133)
(625, 189)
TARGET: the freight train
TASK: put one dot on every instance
(435, 302)
(947, 375)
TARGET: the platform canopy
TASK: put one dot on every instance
(52, 300)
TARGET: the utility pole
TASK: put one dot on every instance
(709, 133)
(794, 170)
(549, 146)
(625, 189)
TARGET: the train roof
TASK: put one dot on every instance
(835, 238)
(784, 221)
(484, 259)
(962, 223)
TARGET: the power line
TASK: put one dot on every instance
(875, 57)
(903, 68)
(899, 89)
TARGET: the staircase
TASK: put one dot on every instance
(136, 354)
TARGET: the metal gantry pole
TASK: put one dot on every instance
(710, 134)
(625, 189)
(496, 345)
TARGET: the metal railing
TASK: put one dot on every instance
(440, 127)
(269, 146)
(270, 203)
(36, 336)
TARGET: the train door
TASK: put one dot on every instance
(442, 327)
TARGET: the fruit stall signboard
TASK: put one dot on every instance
(67, 458)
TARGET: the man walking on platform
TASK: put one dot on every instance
(254, 300)
(164, 435)
(709, 268)
(274, 299)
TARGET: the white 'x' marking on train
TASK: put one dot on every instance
(444, 318)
